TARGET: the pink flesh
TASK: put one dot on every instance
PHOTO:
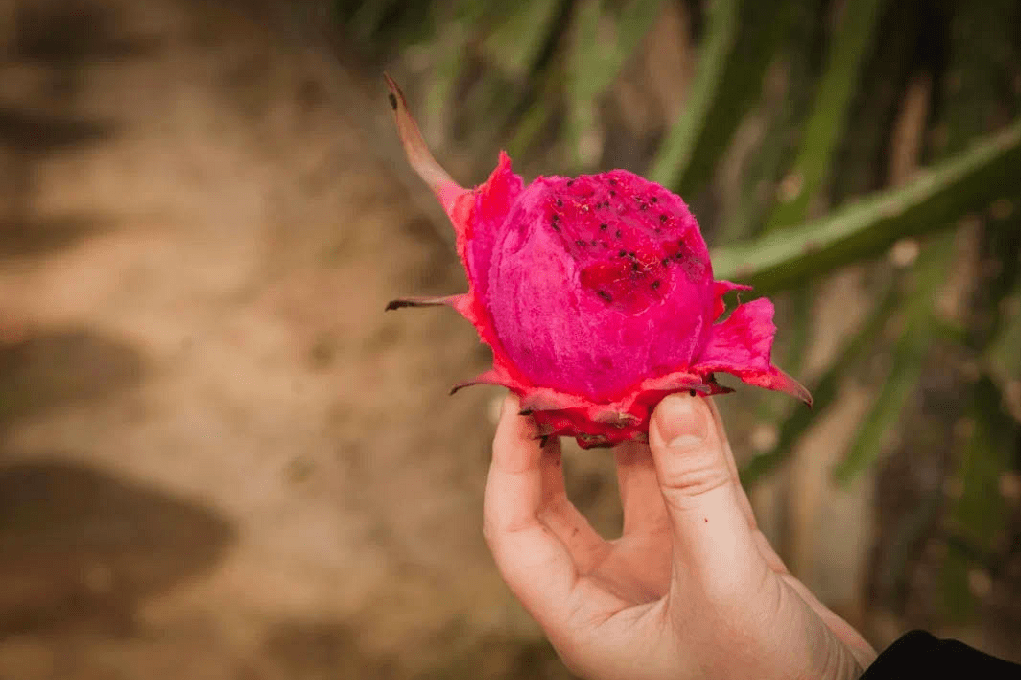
(596, 283)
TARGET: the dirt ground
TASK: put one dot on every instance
(219, 458)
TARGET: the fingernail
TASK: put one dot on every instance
(681, 422)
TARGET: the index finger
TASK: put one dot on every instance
(536, 566)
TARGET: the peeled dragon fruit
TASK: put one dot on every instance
(595, 294)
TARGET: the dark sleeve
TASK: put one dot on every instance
(920, 655)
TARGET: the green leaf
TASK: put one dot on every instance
(763, 28)
(826, 125)
(978, 516)
(782, 113)
(884, 415)
(890, 81)
(864, 228)
(676, 151)
(979, 512)
(825, 390)
(448, 60)
(908, 357)
(602, 45)
(519, 37)
(1003, 355)
(980, 37)
(958, 602)
(368, 17)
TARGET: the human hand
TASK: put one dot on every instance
(691, 589)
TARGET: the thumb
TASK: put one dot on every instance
(712, 536)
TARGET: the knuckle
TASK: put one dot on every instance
(693, 477)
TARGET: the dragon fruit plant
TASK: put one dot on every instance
(595, 294)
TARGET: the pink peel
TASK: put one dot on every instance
(595, 294)
(422, 161)
(460, 302)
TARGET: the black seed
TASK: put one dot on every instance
(654, 200)
(622, 253)
(593, 241)
(613, 181)
(602, 227)
(560, 203)
(656, 284)
(606, 296)
(643, 206)
(556, 227)
(665, 262)
(543, 440)
(663, 218)
(579, 242)
(612, 192)
(393, 101)
(693, 393)
(618, 233)
(570, 182)
(631, 253)
(556, 217)
(634, 266)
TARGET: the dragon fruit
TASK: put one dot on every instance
(595, 294)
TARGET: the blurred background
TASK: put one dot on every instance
(219, 458)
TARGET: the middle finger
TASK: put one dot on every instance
(640, 497)
(560, 515)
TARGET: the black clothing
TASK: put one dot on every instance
(921, 655)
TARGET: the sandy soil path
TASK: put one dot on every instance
(218, 457)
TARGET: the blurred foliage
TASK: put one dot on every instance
(716, 50)
(810, 136)
(828, 121)
(864, 228)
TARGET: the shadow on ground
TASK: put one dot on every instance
(79, 549)
(61, 367)
(27, 137)
(69, 34)
(307, 650)
(53, 44)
